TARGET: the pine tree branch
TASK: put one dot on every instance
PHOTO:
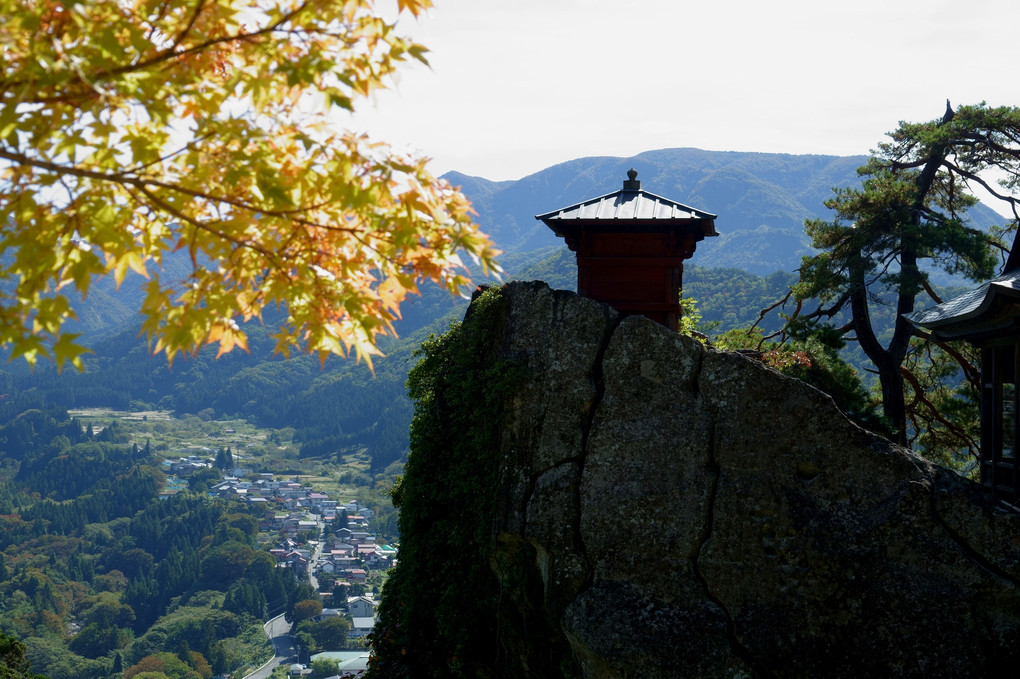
(934, 414)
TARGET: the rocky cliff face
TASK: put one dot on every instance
(694, 514)
(590, 496)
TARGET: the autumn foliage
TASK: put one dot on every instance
(133, 128)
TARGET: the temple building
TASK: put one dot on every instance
(989, 318)
(630, 247)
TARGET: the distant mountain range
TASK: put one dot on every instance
(761, 201)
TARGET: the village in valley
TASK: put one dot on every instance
(325, 541)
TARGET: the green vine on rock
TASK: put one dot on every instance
(436, 617)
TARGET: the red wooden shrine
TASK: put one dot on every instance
(630, 247)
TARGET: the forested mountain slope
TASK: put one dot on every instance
(762, 197)
(97, 572)
(761, 201)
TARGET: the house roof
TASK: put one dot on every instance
(362, 597)
(631, 208)
(348, 661)
(989, 307)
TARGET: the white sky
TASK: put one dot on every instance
(519, 85)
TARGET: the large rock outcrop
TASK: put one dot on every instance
(693, 513)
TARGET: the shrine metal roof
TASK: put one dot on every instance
(630, 203)
(971, 306)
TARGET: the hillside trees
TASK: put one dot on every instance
(13, 663)
(304, 592)
(108, 570)
(224, 459)
(910, 208)
(162, 664)
(306, 609)
(325, 635)
(129, 130)
(140, 579)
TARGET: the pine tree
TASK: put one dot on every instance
(910, 207)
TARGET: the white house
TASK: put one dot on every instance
(361, 607)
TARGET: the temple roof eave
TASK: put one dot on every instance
(627, 204)
(975, 312)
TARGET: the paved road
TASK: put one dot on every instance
(278, 631)
(315, 557)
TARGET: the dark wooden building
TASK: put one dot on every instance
(630, 247)
(989, 318)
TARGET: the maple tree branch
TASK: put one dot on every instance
(170, 209)
(199, 6)
(165, 55)
(137, 169)
(126, 179)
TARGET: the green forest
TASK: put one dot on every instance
(97, 574)
(105, 571)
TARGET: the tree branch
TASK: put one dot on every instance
(167, 54)
(125, 179)
(170, 209)
(934, 415)
(830, 311)
(199, 6)
(926, 284)
(970, 371)
(773, 307)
